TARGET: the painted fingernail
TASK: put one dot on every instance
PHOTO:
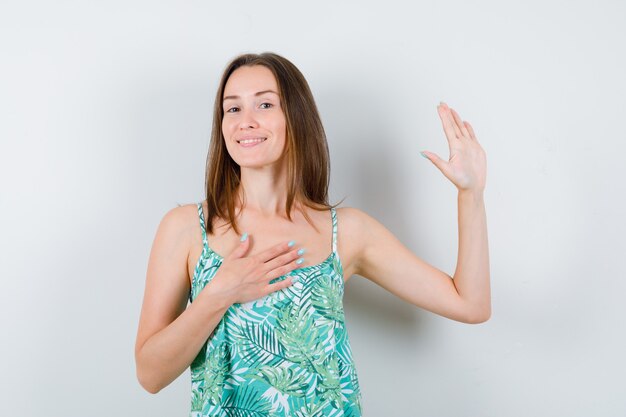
(294, 279)
(424, 155)
(244, 237)
(301, 251)
(299, 261)
(291, 243)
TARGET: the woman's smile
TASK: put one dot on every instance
(248, 142)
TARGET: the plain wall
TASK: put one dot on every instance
(105, 112)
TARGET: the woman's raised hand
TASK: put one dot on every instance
(467, 165)
(247, 278)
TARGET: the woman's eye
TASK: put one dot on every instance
(266, 105)
(232, 109)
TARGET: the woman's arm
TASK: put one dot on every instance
(384, 260)
(170, 335)
(471, 277)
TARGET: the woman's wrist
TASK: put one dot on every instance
(471, 194)
(219, 298)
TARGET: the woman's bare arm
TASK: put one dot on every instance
(170, 335)
(383, 259)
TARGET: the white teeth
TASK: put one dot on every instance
(247, 141)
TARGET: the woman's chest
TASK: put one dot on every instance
(314, 238)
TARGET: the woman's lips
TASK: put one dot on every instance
(249, 142)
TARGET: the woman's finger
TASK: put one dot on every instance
(447, 122)
(283, 270)
(470, 130)
(287, 282)
(450, 117)
(274, 251)
(436, 160)
(460, 124)
(282, 260)
(242, 248)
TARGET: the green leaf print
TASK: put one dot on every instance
(342, 344)
(246, 402)
(197, 400)
(319, 409)
(300, 338)
(198, 364)
(355, 396)
(295, 294)
(285, 380)
(258, 345)
(327, 298)
(215, 373)
(311, 410)
(328, 384)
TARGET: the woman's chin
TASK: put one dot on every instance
(258, 163)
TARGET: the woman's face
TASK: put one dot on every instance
(254, 125)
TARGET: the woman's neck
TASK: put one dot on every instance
(264, 190)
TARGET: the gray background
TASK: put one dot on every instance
(105, 119)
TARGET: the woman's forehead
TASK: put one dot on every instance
(250, 81)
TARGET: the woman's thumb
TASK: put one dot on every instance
(438, 162)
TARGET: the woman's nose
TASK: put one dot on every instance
(248, 120)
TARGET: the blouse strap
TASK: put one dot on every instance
(202, 226)
(333, 214)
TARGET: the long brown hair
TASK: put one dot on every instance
(308, 162)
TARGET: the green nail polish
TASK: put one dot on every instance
(299, 261)
(424, 155)
(244, 237)
(301, 251)
(291, 243)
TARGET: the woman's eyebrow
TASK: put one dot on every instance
(256, 94)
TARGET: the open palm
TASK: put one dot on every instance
(467, 165)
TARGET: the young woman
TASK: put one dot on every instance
(264, 258)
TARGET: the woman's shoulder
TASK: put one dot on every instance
(352, 218)
(178, 233)
(182, 212)
(352, 213)
(181, 219)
